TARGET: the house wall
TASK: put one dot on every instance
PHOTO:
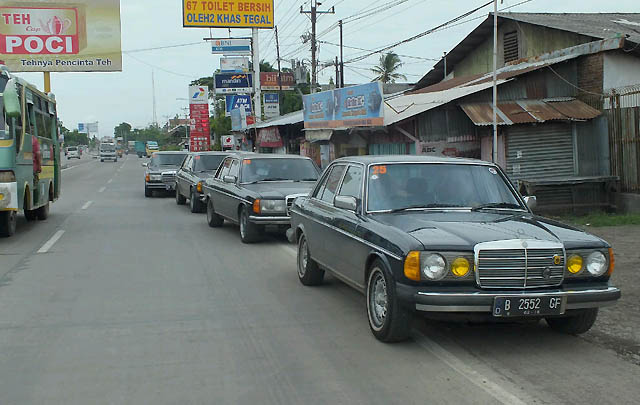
(533, 40)
(620, 70)
(590, 73)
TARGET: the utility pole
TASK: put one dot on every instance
(314, 19)
(337, 73)
(153, 90)
(341, 58)
(256, 73)
(494, 154)
(279, 70)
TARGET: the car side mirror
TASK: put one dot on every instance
(531, 201)
(346, 203)
(230, 179)
(145, 164)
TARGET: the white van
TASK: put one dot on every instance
(108, 152)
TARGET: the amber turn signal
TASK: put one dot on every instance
(612, 262)
(147, 178)
(412, 266)
(199, 187)
(256, 206)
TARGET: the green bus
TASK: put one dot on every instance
(29, 152)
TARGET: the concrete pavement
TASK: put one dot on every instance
(139, 301)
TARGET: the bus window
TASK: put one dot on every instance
(4, 130)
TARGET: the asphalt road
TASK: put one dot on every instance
(122, 299)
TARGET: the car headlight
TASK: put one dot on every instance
(155, 177)
(272, 206)
(596, 263)
(434, 267)
(460, 267)
(574, 264)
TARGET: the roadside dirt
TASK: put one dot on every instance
(618, 327)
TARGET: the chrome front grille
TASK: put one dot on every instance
(519, 264)
(290, 199)
(169, 178)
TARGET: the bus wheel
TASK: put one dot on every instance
(43, 212)
(8, 220)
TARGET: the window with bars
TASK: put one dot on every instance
(510, 45)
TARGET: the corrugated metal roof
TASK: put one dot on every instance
(529, 111)
(287, 119)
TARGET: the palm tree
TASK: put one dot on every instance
(387, 70)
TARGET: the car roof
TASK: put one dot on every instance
(255, 156)
(214, 153)
(170, 152)
(373, 159)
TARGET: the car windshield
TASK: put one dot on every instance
(167, 159)
(107, 148)
(278, 169)
(395, 187)
(206, 163)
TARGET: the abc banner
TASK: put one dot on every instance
(59, 36)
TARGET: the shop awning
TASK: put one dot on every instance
(269, 138)
(318, 135)
(530, 111)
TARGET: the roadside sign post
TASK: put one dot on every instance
(199, 137)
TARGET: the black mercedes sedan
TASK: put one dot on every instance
(257, 190)
(194, 171)
(449, 238)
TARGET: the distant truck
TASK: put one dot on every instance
(140, 148)
(108, 151)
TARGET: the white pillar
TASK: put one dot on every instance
(256, 73)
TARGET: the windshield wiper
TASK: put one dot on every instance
(497, 205)
(425, 207)
(301, 180)
(275, 179)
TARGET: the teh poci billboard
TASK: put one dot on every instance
(58, 36)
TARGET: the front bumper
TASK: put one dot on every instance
(9, 196)
(272, 220)
(469, 299)
(160, 186)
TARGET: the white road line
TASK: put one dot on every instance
(69, 168)
(495, 390)
(45, 248)
(102, 190)
(87, 205)
(110, 181)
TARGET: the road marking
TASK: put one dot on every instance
(69, 168)
(87, 205)
(498, 392)
(110, 181)
(102, 190)
(45, 248)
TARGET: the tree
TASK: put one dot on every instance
(387, 70)
(74, 138)
(123, 129)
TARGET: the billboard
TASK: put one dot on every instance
(271, 105)
(199, 95)
(269, 81)
(238, 101)
(238, 119)
(355, 106)
(59, 36)
(82, 128)
(227, 14)
(233, 83)
(234, 65)
(231, 46)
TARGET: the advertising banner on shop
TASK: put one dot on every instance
(199, 137)
(227, 13)
(59, 36)
(269, 81)
(355, 106)
(269, 138)
(238, 101)
(233, 83)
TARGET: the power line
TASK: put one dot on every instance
(161, 68)
(371, 50)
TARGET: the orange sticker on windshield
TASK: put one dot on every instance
(197, 157)
(247, 161)
(379, 170)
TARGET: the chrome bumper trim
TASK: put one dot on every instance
(270, 220)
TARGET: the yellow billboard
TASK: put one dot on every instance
(227, 13)
(59, 36)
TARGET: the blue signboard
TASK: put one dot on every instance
(233, 83)
(271, 98)
(237, 101)
(355, 106)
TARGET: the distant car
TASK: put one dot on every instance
(256, 190)
(72, 152)
(161, 172)
(446, 236)
(195, 170)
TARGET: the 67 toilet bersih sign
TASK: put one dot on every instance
(58, 36)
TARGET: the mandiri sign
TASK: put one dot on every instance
(59, 36)
(227, 13)
(355, 106)
(233, 83)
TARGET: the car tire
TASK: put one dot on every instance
(388, 320)
(43, 212)
(249, 232)
(195, 205)
(574, 324)
(180, 200)
(8, 223)
(309, 273)
(214, 220)
(147, 192)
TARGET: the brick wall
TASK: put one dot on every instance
(590, 73)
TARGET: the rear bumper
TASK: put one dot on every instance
(474, 300)
(279, 220)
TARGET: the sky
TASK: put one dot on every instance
(112, 98)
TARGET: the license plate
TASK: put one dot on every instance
(529, 306)
(169, 187)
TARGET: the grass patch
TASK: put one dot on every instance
(598, 219)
